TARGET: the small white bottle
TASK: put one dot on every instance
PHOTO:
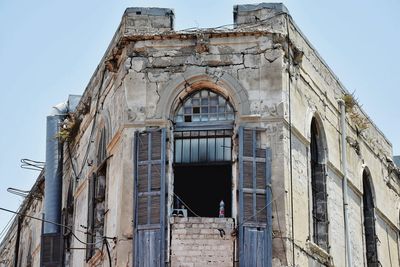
(222, 209)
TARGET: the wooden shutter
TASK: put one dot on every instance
(150, 197)
(255, 214)
(52, 250)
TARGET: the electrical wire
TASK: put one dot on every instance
(249, 24)
(77, 175)
(54, 223)
(261, 209)
(7, 226)
(108, 251)
(187, 206)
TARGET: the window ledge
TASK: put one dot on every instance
(321, 254)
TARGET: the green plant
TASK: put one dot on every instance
(69, 128)
(352, 108)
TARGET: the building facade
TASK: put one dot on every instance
(216, 147)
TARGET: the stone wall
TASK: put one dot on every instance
(202, 242)
(314, 91)
(29, 233)
(139, 84)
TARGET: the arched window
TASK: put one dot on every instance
(96, 198)
(205, 106)
(318, 184)
(369, 221)
(203, 154)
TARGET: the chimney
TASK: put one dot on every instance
(148, 20)
(250, 14)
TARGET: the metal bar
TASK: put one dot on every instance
(268, 174)
(135, 261)
(254, 171)
(162, 198)
(190, 147)
(345, 194)
(241, 204)
(149, 136)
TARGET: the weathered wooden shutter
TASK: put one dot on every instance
(51, 254)
(90, 218)
(150, 196)
(255, 214)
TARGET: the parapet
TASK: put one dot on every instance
(249, 14)
(148, 20)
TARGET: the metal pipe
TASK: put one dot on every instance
(53, 168)
(53, 174)
(345, 193)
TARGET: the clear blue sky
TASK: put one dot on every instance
(49, 49)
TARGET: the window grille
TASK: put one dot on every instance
(203, 146)
(319, 194)
(369, 222)
(204, 106)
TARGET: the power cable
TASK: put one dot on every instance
(261, 209)
(108, 251)
(7, 226)
(58, 224)
(77, 175)
(187, 206)
(249, 24)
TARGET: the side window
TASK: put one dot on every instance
(68, 215)
(96, 199)
(318, 184)
(369, 221)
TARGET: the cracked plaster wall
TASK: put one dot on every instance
(314, 89)
(30, 237)
(133, 98)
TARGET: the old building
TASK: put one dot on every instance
(216, 147)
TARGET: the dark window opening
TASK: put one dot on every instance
(319, 195)
(369, 222)
(202, 187)
(96, 200)
(68, 216)
(202, 155)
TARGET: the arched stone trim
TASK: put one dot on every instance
(105, 121)
(224, 84)
(367, 173)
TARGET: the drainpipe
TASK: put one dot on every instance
(53, 169)
(345, 194)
